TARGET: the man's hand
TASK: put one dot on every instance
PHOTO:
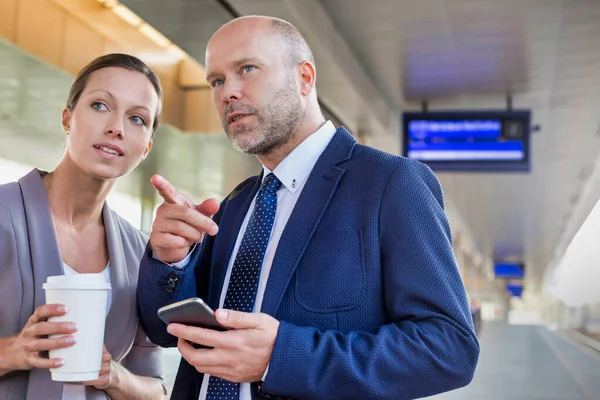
(179, 223)
(239, 355)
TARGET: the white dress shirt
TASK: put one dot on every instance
(293, 172)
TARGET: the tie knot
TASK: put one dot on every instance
(271, 184)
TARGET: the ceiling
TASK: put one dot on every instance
(378, 58)
(461, 54)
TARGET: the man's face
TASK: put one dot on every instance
(255, 92)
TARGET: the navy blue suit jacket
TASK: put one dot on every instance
(364, 283)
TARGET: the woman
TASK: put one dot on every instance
(58, 223)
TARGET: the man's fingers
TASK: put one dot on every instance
(202, 336)
(238, 319)
(186, 350)
(208, 207)
(166, 190)
(178, 228)
(167, 213)
(163, 240)
(204, 360)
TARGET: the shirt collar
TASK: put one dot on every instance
(295, 168)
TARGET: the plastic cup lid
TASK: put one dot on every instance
(79, 281)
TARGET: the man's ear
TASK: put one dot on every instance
(308, 78)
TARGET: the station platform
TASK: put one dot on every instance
(520, 362)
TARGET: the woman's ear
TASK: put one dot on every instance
(148, 148)
(66, 120)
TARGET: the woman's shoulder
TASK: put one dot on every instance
(11, 201)
(9, 191)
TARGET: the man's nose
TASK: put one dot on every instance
(231, 91)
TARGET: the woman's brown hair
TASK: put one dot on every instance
(119, 60)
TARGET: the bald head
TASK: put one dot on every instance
(296, 48)
(263, 78)
(287, 36)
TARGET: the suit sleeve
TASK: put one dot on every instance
(428, 346)
(160, 284)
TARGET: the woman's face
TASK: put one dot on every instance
(110, 127)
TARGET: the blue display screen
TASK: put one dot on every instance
(509, 270)
(463, 140)
(515, 290)
(468, 140)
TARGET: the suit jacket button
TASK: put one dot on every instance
(171, 282)
(173, 277)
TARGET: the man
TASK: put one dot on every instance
(334, 266)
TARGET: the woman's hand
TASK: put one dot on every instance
(23, 351)
(120, 384)
(108, 376)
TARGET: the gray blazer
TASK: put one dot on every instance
(29, 253)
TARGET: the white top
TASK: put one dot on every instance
(293, 172)
(76, 391)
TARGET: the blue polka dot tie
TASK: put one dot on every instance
(243, 282)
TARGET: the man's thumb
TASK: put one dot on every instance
(237, 319)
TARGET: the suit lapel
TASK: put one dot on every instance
(122, 301)
(314, 199)
(43, 244)
(46, 261)
(235, 210)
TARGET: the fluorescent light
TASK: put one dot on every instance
(176, 52)
(154, 35)
(127, 15)
(109, 3)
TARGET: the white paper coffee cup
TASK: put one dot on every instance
(85, 296)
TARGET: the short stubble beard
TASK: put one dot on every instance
(277, 122)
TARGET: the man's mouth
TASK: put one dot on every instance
(235, 117)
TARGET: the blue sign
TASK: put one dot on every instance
(473, 141)
(509, 270)
(515, 290)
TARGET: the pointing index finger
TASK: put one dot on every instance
(166, 190)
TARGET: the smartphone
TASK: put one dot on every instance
(193, 311)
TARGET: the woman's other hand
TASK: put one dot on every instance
(26, 350)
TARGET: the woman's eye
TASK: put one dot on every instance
(99, 106)
(248, 68)
(138, 120)
(217, 82)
